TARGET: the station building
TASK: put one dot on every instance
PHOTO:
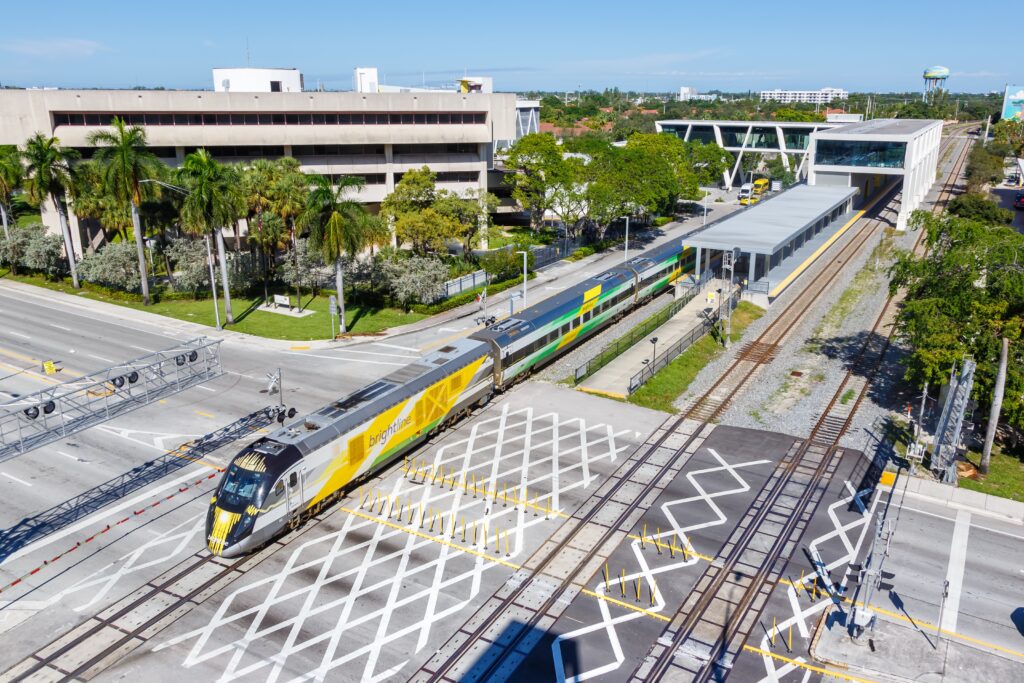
(871, 154)
(788, 138)
(256, 113)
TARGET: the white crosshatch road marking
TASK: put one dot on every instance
(372, 576)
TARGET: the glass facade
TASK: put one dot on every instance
(797, 140)
(869, 153)
(703, 134)
(270, 119)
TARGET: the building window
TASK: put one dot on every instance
(275, 86)
(269, 119)
(869, 153)
(336, 150)
(368, 178)
(450, 148)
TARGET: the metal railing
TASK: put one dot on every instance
(31, 421)
(619, 346)
(462, 284)
(677, 347)
(60, 516)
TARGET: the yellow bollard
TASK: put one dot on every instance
(800, 585)
(643, 535)
(485, 538)
(790, 637)
(654, 591)
(412, 512)
(508, 550)
(638, 589)
(504, 496)
(773, 631)
(657, 543)
(452, 487)
(672, 547)
(497, 541)
(463, 528)
(440, 520)
(401, 510)
(432, 520)
(622, 583)
(606, 582)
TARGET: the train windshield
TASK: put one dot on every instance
(240, 488)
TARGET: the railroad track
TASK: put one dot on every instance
(536, 595)
(711, 626)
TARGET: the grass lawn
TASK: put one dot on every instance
(1005, 476)
(501, 237)
(251, 321)
(662, 390)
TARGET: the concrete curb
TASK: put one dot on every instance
(973, 501)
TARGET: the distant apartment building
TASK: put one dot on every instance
(688, 94)
(823, 96)
(377, 136)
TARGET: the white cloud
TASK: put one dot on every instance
(974, 74)
(53, 47)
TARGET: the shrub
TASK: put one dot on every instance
(43, 254)
(13, 248)
(660, 221)
(502, 264)
(416, 280)
(978, 207)
(191, 271)
(115, 265)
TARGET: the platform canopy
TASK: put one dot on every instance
(767, 227)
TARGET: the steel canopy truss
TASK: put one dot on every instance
(55, 413)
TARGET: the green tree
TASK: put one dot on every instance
(472, 213)
(113, 266)
(978, 207)
(416, 191)
(213, 203)
(536, 165)
(49, 176)
(426, 230)
(192, 270)
(675, 152)
(629, 181)
(337, 226)
(288, 200)
(966, 297)
(93, 200)
(125, 159)
(1010, 133)
(16, 243)
(11, 175)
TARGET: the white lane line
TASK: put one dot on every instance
(19, 334)
(207, 389)
(14, 478)
(241, 374)
(396, 346)
(96, 518)
(141, 348)
(451, 329)
(59, 327)
(73, 457)
(955, 573)
(348, 360)
(105, 360)
(378, 353)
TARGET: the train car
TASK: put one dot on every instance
(273, 482)
(661, 267)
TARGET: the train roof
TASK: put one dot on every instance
(349, 411)
(509, 329)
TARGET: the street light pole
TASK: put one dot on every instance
(213, 282)
(524, 253)
(626, 258)
(705, 209)
(654, 351)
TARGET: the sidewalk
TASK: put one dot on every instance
(897, 652)
(613, 379)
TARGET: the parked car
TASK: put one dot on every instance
(1018, 201)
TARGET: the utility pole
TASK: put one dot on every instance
(727, 264)
(213, 282)
(525, 254)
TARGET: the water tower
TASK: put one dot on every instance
(934, 79)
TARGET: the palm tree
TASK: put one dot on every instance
(267, 234)
(288, 200)
(337, 226)
(123, 156)
(49, 175)
(11, 174)
(213, 202)
(92, 200)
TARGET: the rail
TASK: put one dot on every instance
(98, 497)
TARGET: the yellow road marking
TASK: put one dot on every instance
(299, 348)
(429, 537)
(599, 392)
(622, 603)
(809, 667)
(204, 414)
(817, 252)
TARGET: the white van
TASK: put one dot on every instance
(746, 193)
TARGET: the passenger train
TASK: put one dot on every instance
(294, 471)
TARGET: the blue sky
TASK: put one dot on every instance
(646, 45)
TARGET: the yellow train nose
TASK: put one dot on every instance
(221, 525)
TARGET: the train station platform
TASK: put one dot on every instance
(775, 241)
